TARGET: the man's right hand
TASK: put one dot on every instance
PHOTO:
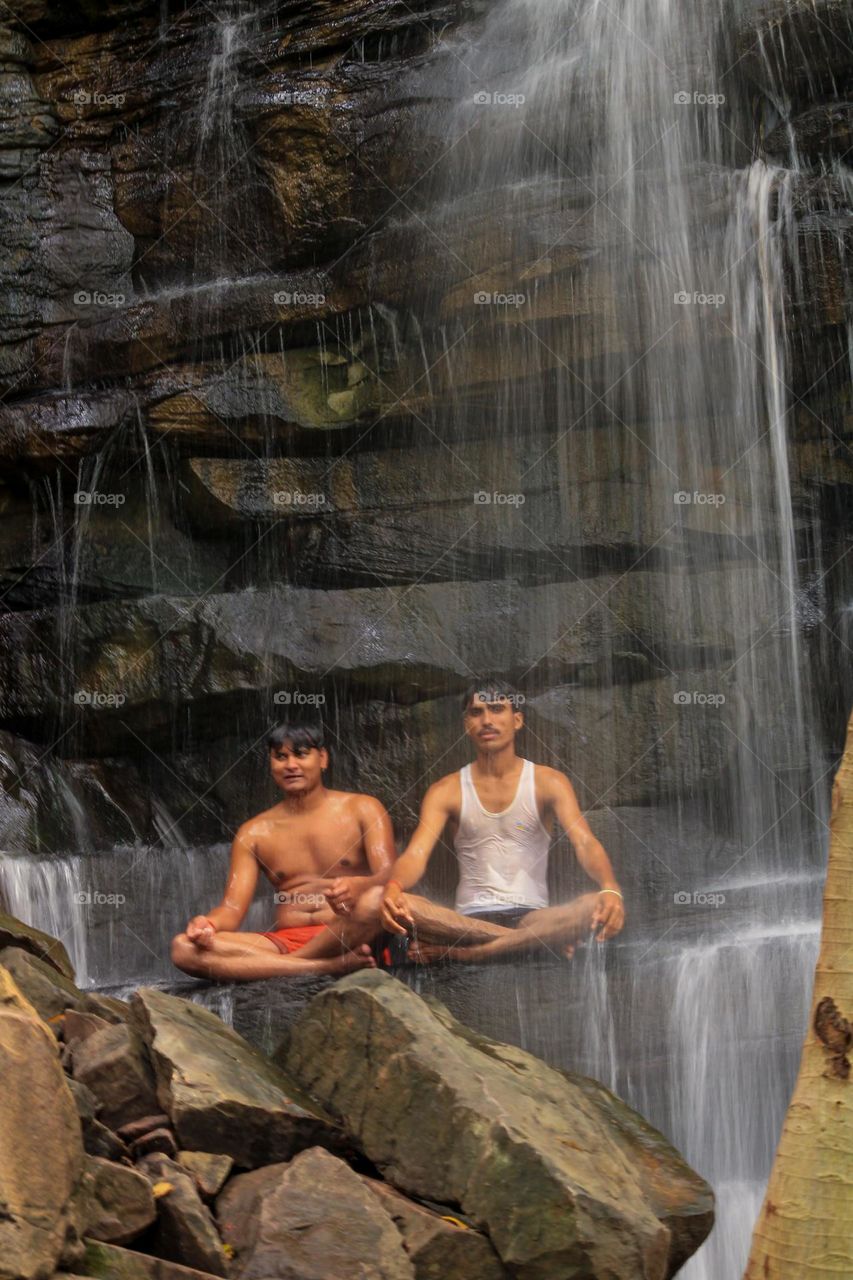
(393, 911)
(200, 930)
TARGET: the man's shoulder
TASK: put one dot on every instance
(355, 801)
(446, 788)
(548, 778)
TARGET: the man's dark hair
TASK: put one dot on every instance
(496, 689)
(299, 733)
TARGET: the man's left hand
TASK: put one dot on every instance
(608, 916)
(342, 894)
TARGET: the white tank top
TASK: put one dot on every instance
(503, 857)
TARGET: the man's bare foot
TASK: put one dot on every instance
(429, 952)
(359, 958)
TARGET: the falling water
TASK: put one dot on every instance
(601, 151)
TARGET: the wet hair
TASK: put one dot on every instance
(299, 733)
(499, 689)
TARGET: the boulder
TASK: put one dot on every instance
(106, 1007)
(14, 933)
(441, 1247)
(48, 991)
(145, 1124)
(160, 1141)
(565, 1179)
(121, 1203)
(101, 1141)
(41, 1147)
(221, 1094)
(208, 1171)
(309, 1220)
(112, 1262)
(79, 1025)
(113, 1064)
(185, 1230)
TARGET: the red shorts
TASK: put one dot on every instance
(294, 938)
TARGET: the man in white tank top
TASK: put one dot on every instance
(500, 812)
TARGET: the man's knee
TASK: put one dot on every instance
(366, 909)
(185, 954)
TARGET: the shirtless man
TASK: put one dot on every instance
(501, 812)
(321, 850)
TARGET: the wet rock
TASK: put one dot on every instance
(309, 1219)
(222, 1096)
(564, 1181)
(47, 990)
(113, 1064)
(121, 1204)
(431, 636)
(209, 1172)
(14, 933)
(441, 1247)
(186, 1232)
(794, 47)
(41, 1149)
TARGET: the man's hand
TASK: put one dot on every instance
(609, 916)
(342, 894)
(200, 930)
(393, 911)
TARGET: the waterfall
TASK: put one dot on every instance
(602, 149)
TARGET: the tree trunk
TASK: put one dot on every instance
(805, 1228)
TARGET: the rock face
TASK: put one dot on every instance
(14, 933)
(515, 1169)
(41, 1148)
(185, 1229)
(222, 1096)
(121, 1205)
(112, 1062)
(310, 1219)
(534, 1156)
(440, 1246)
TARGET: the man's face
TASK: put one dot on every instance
(297, 770)
(491, 721)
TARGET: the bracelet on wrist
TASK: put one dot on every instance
(616, 891)
(397, 883)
